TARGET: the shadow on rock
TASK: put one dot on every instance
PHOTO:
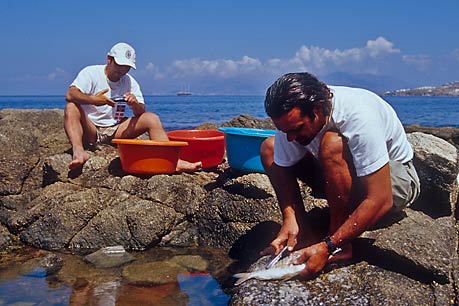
(246, 249)
(390, 261)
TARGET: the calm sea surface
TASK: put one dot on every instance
(189, 111)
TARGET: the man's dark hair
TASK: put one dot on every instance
(302, 90)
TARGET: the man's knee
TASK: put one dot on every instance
(71, 109)
(267, 151)
(152, 119)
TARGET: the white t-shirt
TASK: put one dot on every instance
(373, 131)
(91, 80)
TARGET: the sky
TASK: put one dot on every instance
(230, 47)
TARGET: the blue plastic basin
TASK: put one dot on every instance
(243, 147)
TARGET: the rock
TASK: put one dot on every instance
(42, 267)
(109, 257)
(436, 163)
(449, 134)
(18, 156)
(253, 185)
(153, 273)
(6, 238)
(360, 284)
(191, 262)
(404, 242)
(247, 121)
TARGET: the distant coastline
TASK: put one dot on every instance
(447, 90)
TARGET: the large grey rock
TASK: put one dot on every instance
(449, 134)
(18, 156)
(436, 162)
(247, 121)
(6, 238)
(359, 284)
(405, 244)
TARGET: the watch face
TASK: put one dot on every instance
(332, 248)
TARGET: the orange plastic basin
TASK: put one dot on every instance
(207, 146)
(148, 156)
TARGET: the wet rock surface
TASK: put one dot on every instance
(411, 260)
(108, 257)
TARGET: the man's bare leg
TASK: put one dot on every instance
(74, 122)
(339, 185)
(150, 122)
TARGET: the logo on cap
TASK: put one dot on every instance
(128, 54)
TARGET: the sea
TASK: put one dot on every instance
(187, 112)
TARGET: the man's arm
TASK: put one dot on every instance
(288, 195)
(76, 96)
(377, 202)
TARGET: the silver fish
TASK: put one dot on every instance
(284, 269)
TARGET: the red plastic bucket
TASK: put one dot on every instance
(207, 146)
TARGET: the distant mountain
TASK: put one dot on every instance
(449, 89)
(375, 83)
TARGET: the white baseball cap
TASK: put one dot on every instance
(123, 54)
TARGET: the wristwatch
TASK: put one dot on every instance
(332, 248)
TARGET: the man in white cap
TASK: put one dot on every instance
(89, 113)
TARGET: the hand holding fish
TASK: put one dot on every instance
(287, 236)
(315, 258)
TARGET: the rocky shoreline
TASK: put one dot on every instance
(412, 260)
(450, 89)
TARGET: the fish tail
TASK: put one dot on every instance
(242, 278)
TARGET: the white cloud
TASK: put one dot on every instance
(421, 62)
(380, 47)
(306, 58)
(58, 73)
(322, 60)
(377, 56)
(152, 69)
(221, 67)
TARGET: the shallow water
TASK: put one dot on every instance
(24, 282)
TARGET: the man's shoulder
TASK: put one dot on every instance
(92, 68)
(129, 79)
(345, 90)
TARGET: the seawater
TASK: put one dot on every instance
(24, 282)
(187, 112)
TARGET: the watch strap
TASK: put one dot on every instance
(332, 248)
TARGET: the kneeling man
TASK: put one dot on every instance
(347, 143)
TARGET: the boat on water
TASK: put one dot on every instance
(185, 91)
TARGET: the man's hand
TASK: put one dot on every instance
(130, 99)
(287, 236)
(100, 99)
(316, 257)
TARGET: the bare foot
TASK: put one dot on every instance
(345, 254)
(79, 158)
(185, 166)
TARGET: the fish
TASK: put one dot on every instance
(284, 269)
